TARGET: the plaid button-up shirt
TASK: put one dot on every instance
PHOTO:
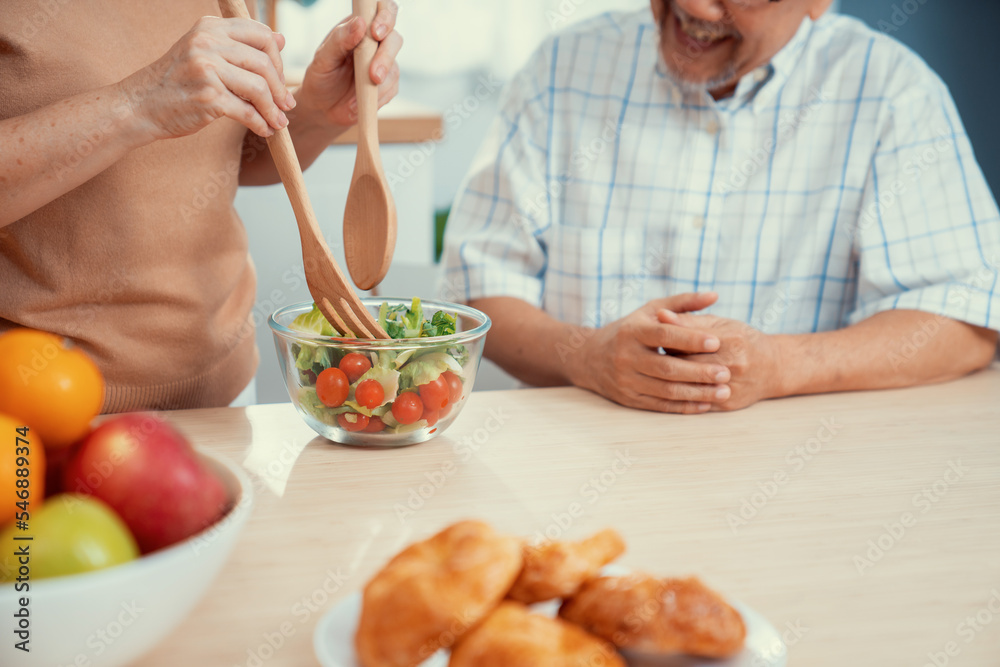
(836, 183)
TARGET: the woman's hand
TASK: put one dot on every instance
(220, 68)
(327, 93)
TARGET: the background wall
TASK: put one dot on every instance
(958, 40)
(458, 55)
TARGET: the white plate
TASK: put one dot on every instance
(334, 641)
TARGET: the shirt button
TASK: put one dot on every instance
(760, 74)
(698, 222)
(712, 127)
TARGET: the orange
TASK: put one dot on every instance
(49, 385)
(16, 454)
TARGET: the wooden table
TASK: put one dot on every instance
(822, 552)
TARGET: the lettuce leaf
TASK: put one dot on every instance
(388, 377)
(393, 426)
(460, 354)
(313, 322)
(406, 428)
(403, 357)
(352, 418)
(353, 406)
(309, 401)
(389, 420)
(427, 368)
(310, 357)
(442, 324)
(402, 322)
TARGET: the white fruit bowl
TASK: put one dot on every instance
(111, 617)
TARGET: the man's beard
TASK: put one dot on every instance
(685, 84)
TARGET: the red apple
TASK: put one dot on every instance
(151, 476)
(57, 460)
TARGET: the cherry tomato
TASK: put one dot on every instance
(407, 408)
(369, 394)
(432, 416)
(454, 386)
(332, 387)
(375, 424)
(354, 365)
(434, 394)
(360, 422)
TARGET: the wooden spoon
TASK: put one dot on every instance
(336, 299)
(370, 214)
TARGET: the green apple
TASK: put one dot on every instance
(70, 533)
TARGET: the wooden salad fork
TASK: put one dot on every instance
(333, 295)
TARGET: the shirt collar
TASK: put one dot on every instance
(781, 66)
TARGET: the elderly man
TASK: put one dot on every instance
(125, 129)
(801, 178)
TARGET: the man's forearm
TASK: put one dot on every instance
(528, 343)
(311, 136)
(897, 348)
(55, 149)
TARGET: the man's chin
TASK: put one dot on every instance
(694, 84)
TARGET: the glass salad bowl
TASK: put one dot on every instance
(381, 393)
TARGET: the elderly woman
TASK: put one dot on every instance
(125, 129)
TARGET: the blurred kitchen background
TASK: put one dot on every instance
(457, 56)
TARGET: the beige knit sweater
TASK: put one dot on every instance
(146, 265)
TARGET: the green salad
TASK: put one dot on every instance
(393, 391)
